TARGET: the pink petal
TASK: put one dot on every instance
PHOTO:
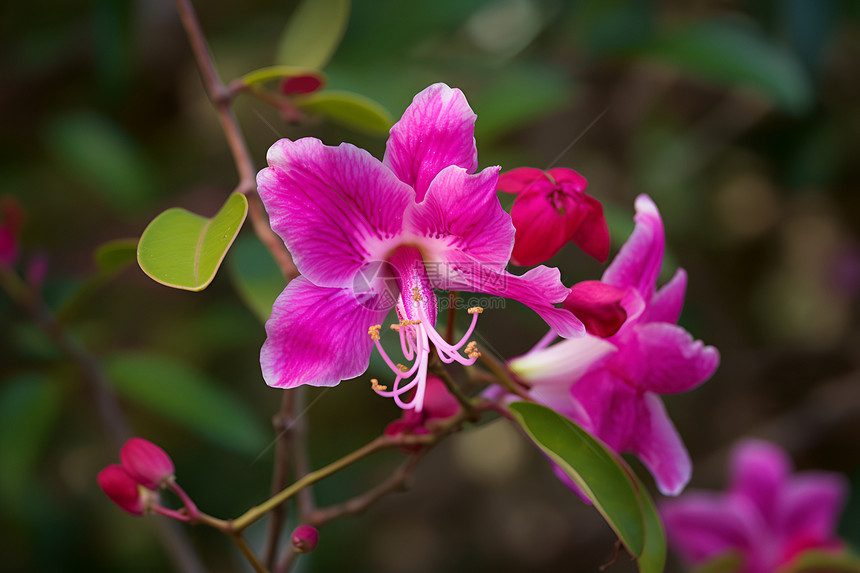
(638, 263)
(598, 306)
(668, 301)
(318, 335)
(551, 372)
(541, 230)
(810, 506)
(461, 213)
(610, 406)
(592, 236)
(122, 489)
(703, 525)
(538, 289)
(147, 463)
(517, 180)
(759, 472)
(436, 130)
(335, 207)
(665, 359)
(660, 448)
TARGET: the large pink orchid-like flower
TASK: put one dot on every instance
(610, 383)
(768, 516)
(368, 235)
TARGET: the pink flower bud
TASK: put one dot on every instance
(304, 538)
(146, 463)
(301, 84)
(11, 221)
(122, 489)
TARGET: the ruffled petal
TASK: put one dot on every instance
(517, 180)
(760, 473)
(461, 213)
(810, 506)
(541, 230)
(539, 289)
(665, 359)
(638, 262)
(336, 208)
(436, 130)
(668, 301)
(701, 526)
(317, 335)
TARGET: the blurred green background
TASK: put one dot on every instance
(740, 119)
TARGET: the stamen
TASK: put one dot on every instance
(373, 331)
(409, 322)
(416, 295)
(471, 350)
(374, 385)
(475, 310)
(394, 327)
(403, 368)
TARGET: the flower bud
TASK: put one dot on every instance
(122, 489)
(304, 539)
(146, 463)
(11, 221)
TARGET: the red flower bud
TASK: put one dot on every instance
(122, 489)
(146, 463)
(304, 538)
(598, 306)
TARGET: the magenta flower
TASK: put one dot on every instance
(551, 209)
(147, 463)
(611, 385)
(368, 235)
(768, 516)
(123, 489)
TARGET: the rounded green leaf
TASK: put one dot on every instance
(187, 397)
(182, 250)
(602, 477)
(313, 33)
(348, 109)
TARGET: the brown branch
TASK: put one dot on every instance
(222, 98)
(281, 422)
(398, 481)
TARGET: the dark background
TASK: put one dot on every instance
(739, 118)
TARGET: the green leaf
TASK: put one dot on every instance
(270, 73)
(187, 397)
(313, 33)
(737, 56)
(29, 409)
(348, 109)
(183, 250)
(256, 276)
(602, 477)
(113, 256)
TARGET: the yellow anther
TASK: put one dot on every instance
(409, 322)
(394, 327)
(374, 385)
(475, 310)
(373, 331)
(403, 368)
(471, 350)
(416, 296)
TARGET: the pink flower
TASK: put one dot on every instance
(148, 464)
(304, 539)
(551, 209)
(369, 235)
(11, 221)
(123, 489)
(611, 386)
(768, 516)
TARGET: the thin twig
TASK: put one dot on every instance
(395, 482)
(281, 422)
